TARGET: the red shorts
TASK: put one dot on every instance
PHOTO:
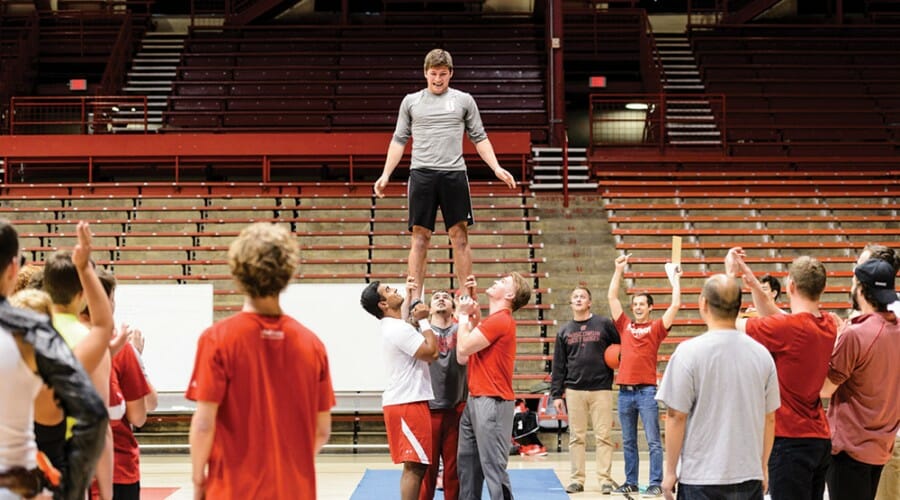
(409, 432)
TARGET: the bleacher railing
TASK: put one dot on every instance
(355, 158)
(119, 59)
(642, 120)
(73, 115)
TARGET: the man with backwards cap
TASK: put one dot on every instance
(863, 382)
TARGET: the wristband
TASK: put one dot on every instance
(464, 318)
(424, 325)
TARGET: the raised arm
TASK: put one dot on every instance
(429, 349)
(736, 266)
(469, 339)
(612, 296)
(669, 316)
(486, 151)
(95, 345)
(411, 288)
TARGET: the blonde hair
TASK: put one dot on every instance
(523, 291)
(33, 299)
(263, 259)
(30, 276)
(809, 276)
(438, 58)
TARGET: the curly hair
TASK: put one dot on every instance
(30, 298)
(263, 259)
(30, 276)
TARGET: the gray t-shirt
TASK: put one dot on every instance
(726, 382)
(448, 377)
(436, 124)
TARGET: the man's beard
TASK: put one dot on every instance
(853, 302)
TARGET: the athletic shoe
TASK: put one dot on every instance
(627, 488)
(653, 491)
(533, 450)
(574, 488)
(606, 489)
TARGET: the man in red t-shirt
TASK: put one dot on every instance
(637, 375)
(488, 347)
(135, 390)
(261, 382)
(801, 345)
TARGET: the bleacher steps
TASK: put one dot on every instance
(547, 168)
(688, 122)
(153, 70)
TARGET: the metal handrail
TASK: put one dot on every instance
(76, 114)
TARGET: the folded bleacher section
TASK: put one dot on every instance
(344, 78)
(805, 90)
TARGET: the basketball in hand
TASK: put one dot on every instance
(613, 355)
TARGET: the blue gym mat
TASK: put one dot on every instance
(527, 484)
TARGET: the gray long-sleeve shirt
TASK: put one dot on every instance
(436, 124)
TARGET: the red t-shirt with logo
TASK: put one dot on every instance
(270, 377)
(133, 385)
(491, 369)
(801, 346)
(640, 345)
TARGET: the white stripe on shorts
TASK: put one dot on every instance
(423, 458)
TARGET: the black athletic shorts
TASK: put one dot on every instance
(447, 189)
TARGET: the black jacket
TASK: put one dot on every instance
(73, 389)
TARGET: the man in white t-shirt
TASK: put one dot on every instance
(407, 353)
(721, 391)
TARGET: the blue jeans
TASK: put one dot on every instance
(640, 401)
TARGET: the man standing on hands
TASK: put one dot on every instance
(580, 372)
(637, 375)
(721, 393)
(407, 353)
(489, 348)
(436, 118)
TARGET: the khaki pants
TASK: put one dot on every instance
(889, 484)
(597, 405)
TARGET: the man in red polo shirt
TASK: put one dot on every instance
(488, 347)
(801, 343)
(261, 382)
(863, 383)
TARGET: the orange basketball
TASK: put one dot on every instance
(613, 355)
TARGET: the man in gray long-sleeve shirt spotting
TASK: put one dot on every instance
(435, 118)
